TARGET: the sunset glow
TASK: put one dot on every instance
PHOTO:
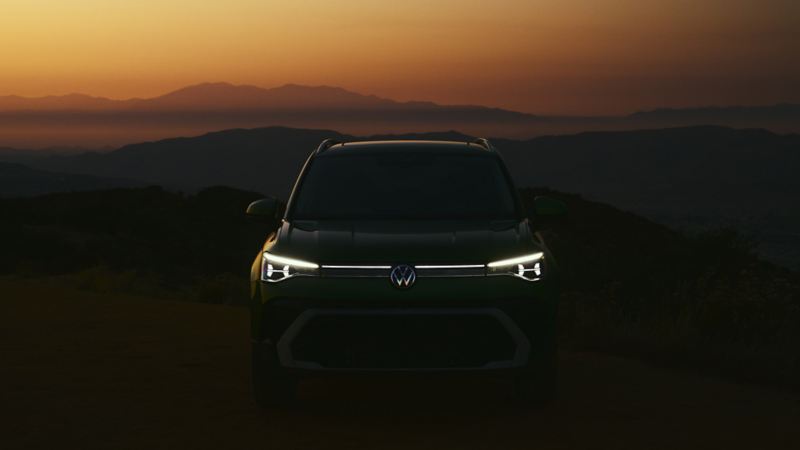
(562, 57)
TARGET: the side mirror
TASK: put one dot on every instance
(547, 207)
(264, 209)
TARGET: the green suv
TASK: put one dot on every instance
(403, 256)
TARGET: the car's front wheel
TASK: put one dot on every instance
(272, 386)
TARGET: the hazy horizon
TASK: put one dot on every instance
(199, 84)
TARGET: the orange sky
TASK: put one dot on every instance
(565, 56)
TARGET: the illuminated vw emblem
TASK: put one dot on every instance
(403, 277)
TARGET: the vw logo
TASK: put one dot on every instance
(403, 276)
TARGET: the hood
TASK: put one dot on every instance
(398, 242)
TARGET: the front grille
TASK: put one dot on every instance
(423, 271)
(401, 340)
(355, 271)
(451, 271)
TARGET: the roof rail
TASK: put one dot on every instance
(483, 142)
(326, 144)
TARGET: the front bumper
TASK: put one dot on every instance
(413, 339)
(481, 323)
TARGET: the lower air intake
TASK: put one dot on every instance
(403, 339)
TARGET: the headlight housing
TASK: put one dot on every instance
(528, 267)
(276, 268)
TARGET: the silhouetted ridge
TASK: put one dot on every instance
(704, 176)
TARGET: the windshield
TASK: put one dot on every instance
(422, 185)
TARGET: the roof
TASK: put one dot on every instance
(406, 145)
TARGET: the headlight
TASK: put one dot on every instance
(527, 267)
(276, 268)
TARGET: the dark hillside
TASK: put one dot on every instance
(17, 180)
(640, 288)
(631, 285)
(691, 178)
(263, 159)
(142, 240)
(695, 170)
(694, 177)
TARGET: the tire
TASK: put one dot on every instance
(272, 386)
(538, 385)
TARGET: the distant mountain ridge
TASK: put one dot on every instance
(703, 153)
(84, 121)
(67, 102)
(778, 110)
(222, 95)
(227, 96)
(690, 176)
(79, 120)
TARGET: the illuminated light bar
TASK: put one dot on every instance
(324, 266)
(518, 260)
(461, 266)
(290, 261)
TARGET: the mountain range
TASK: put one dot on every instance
(226, 96)
(689, 177)
(93, 122)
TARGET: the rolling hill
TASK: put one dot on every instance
(695, 170)
(693, 177)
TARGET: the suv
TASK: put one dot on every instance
(412, 256)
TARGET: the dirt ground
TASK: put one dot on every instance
(84, 370)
